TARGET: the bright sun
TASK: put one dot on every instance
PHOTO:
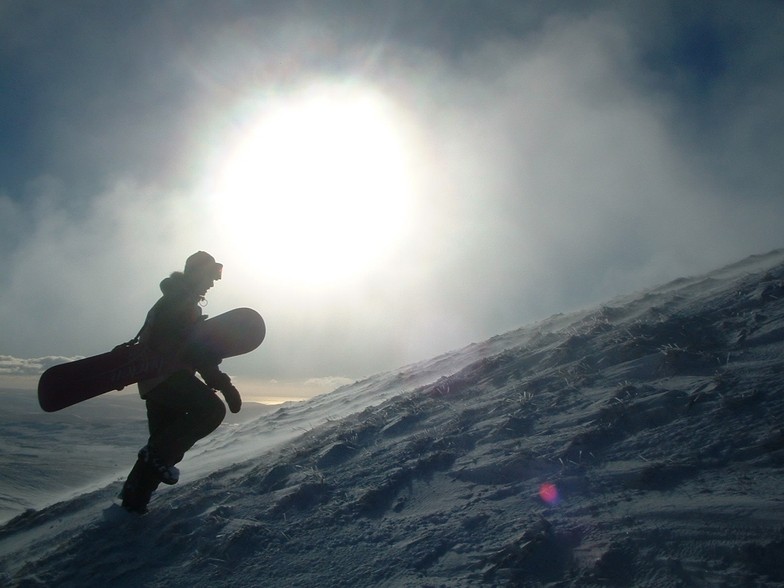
(318, 186)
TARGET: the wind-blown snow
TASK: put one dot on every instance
(639, 443)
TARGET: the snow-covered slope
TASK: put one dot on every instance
(639, 443)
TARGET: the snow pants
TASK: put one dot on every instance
(180, 411)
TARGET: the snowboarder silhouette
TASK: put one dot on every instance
(181, 408)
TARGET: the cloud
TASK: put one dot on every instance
(557, 163)
(15, 366)
(78, 271)
(557, 179)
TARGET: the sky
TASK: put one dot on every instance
(384, 181)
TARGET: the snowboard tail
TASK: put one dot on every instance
(69, 383)
(232, 333)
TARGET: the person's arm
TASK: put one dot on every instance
(217, 380)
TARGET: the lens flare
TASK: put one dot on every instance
(548, 493)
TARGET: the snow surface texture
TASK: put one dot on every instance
(639, 443)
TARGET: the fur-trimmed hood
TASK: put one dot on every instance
(178, 286)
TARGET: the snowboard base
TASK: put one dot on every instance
(232, 333)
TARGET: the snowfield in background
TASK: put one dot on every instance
(639, 443)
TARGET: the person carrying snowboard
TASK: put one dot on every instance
(181, 408)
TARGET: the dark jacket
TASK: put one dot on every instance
(168, 326)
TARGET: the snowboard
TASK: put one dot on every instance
(232, 333)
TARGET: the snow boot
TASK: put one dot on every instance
(138, 488)
(166, 474)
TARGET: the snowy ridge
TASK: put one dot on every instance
(638, 443)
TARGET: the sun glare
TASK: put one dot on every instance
(318, 186)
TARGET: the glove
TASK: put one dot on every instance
(217, 380)
(233, 399)
(214, 378)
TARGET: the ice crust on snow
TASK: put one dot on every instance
(638, 443)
